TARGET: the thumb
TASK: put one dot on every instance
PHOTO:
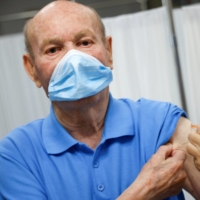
(179, 154)
(165, 151)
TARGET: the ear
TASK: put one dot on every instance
(30, 69)
(109, 50)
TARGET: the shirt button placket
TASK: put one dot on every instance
(100, 187)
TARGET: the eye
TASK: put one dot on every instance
(84, 43)
(53, 50)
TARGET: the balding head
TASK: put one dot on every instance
(58, 28)
(62, 8)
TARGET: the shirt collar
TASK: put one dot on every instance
(119, 119)
(55, 136)
(118, 123)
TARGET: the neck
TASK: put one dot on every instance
(84, 119)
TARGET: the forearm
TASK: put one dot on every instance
(134, 192)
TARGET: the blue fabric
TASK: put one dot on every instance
(42, 161)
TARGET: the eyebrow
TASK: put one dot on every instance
(60, 41)
(83, 33)
(56, 40)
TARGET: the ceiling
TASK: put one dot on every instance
(13, 16)
(14, 13)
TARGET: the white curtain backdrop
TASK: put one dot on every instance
(144, 65)
(187, 23)
(20, 100)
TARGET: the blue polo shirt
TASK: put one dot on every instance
(42, 161)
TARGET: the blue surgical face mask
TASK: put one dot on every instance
(76, 76)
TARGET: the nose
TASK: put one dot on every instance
(70, 46)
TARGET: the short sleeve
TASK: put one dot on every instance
(154, 123)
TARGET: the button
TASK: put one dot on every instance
(100, 187)
(96, 164)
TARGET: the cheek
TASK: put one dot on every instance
(45, 71)
(105, 60)
(102, 57)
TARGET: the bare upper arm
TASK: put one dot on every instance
(179, 141)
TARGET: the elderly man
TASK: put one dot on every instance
(91, 146)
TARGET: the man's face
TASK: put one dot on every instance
(56, 31)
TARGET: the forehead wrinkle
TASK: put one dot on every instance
(55, 40)
(83, 33)
(65, 9)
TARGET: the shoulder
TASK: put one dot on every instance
(142, 102)
(21, 138)
(153, 108)
(154, 118)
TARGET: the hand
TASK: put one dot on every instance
(193, 147)
(161, 177)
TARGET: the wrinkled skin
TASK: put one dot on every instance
(162, 176)
(193, 147)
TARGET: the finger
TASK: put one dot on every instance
(164, 151)
(194, 139)
(179, 176)
(175, 163)
(196, 128)
(177, 182)
(179, 154)
(162, 154)
(182, 175)
(177, 186)
(192, 150)
(197, 163)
